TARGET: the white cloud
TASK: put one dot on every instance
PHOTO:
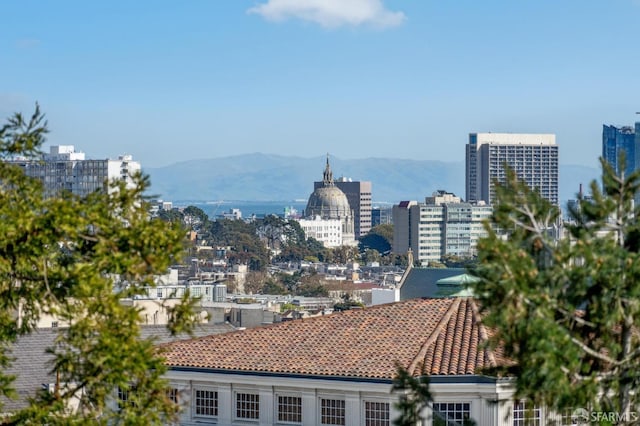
(331, 13)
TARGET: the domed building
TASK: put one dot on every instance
(329, 203)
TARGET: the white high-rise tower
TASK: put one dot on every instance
(534, 158)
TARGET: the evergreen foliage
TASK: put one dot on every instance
(413, 397)
(241, 236)
(566, 312)
(59, 256)
(379, 238)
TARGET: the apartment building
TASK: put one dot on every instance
(534, 158)
(65, 169)
(442, 225)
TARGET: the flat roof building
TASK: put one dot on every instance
(65, 169)
(442, 225)
(618, 140)
(533, 157)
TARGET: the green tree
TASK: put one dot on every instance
(379, 238)
(172, 215)
(414, 397)
(246, 247)
(385, 230)
(396, 260)
(272, 287)
(371, 255)
(311, 285)
(254, 282)
(453, 261)
(295, 247)
(347, 303)
(290, 282)
(567, 313)
(194, 217)
(344, 254)
(274, 230)
(58, 256)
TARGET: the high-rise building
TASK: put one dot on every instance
(442, 225)
(534, 158)
(381, 216)
(64, 169)
(615, 141)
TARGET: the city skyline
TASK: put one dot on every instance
(169, 82)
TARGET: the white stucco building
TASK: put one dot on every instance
(327, 231)
(338, 369)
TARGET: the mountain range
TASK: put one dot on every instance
(266, 177)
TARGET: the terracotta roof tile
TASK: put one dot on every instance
(443, 335)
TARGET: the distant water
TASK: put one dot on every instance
(260, 209)
(214, 209)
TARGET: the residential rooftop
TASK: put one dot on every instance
(442, 335)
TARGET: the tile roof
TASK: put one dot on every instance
(32, 364)
(443, 335)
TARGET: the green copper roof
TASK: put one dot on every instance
(460, 280)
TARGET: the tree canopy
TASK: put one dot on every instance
(59, 256)
(566, 312)
(246, 247)
(379, 238)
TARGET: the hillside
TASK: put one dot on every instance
(263, 177)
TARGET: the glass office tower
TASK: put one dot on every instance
(618, 140)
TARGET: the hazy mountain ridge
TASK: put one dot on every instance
(267, 177)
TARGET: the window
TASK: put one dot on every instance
(525, 414)
(172, 394)
(451, 414)
(206, 403)
(289, 409)
(247, 406)
(332, 412)
(376, 413)
(125, 396)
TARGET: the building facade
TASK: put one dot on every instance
(381, 216)
(65, 169)
(342, 370)
(327, 231)
(442, 225)
(534, 158)
(618, 140)
(359, 197)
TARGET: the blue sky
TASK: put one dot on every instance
(168, 81)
